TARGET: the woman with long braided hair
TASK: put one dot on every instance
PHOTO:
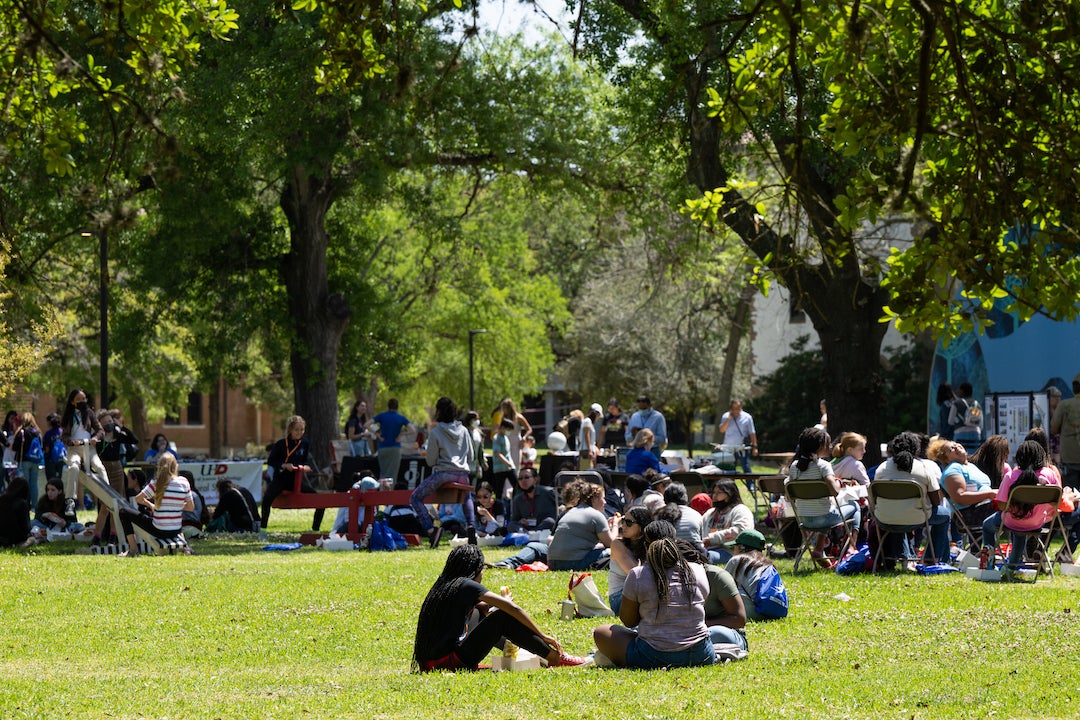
(664, 598)
(441, 639)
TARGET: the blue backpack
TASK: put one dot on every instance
(33, 451)
(57, 453)
(771, 599)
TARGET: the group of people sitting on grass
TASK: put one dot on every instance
(675, 608)
(968, 496)
(678, 600)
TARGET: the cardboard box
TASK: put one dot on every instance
(1070, 569)
(983, 575)
(525, 660)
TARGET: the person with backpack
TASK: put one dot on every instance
(53, 446)
(760, 586)
(28, 452)
(966, 417)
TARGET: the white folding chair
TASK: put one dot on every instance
(893, 500)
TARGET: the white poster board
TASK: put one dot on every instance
(1014, 414)
(246, 474)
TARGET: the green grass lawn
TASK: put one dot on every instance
(236, 632)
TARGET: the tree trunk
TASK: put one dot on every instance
(214, 421)
(841, 302)
(139, 424)
(319, 317)
(739, 327)
(851, 336)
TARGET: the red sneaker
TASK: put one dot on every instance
(570, 661)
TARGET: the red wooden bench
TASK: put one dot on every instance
(355, 499)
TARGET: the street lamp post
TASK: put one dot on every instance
(472, 399)
(103, 308)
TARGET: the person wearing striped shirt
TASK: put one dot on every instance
(167, 496)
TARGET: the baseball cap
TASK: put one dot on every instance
(595, 407)
(748, 538)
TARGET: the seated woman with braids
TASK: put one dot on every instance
(441, 640)
(664, 600)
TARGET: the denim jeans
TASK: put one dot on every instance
(719, 555)
(832, 519)
(639, 654)
(432, 483)
(720, 634)
(615, 602)
(583, 563)
(991, 527)
(898, 543)
(527, 554)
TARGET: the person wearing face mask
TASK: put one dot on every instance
(646, 418)
(81, 433)
(728, 517)
(533, 508)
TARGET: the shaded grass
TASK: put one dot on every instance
(235, 632)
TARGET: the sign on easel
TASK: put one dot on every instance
(1014, 414)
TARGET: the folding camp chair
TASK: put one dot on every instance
(892, 499)
(803, 490)
(1038, 495)
(970, 537)
(694, 482)
(563, 477)
(773, 486)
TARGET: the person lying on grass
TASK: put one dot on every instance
(439, 644)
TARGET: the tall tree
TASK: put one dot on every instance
(356, 203)
(806, 123)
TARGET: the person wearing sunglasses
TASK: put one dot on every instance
(627, 551)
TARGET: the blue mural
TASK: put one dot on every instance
(1015, 357)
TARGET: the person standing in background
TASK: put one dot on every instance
(738, 428)
(1066, 424)
(614, 425)
(646, 418)
(587, 442)
(390, 424)
(356, 430)
(28, 454)
(521, 428)
(53, 444)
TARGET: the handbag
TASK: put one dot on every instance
(590, 603)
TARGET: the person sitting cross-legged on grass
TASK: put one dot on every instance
(664, 599)
(440, 644)
(628, 550)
